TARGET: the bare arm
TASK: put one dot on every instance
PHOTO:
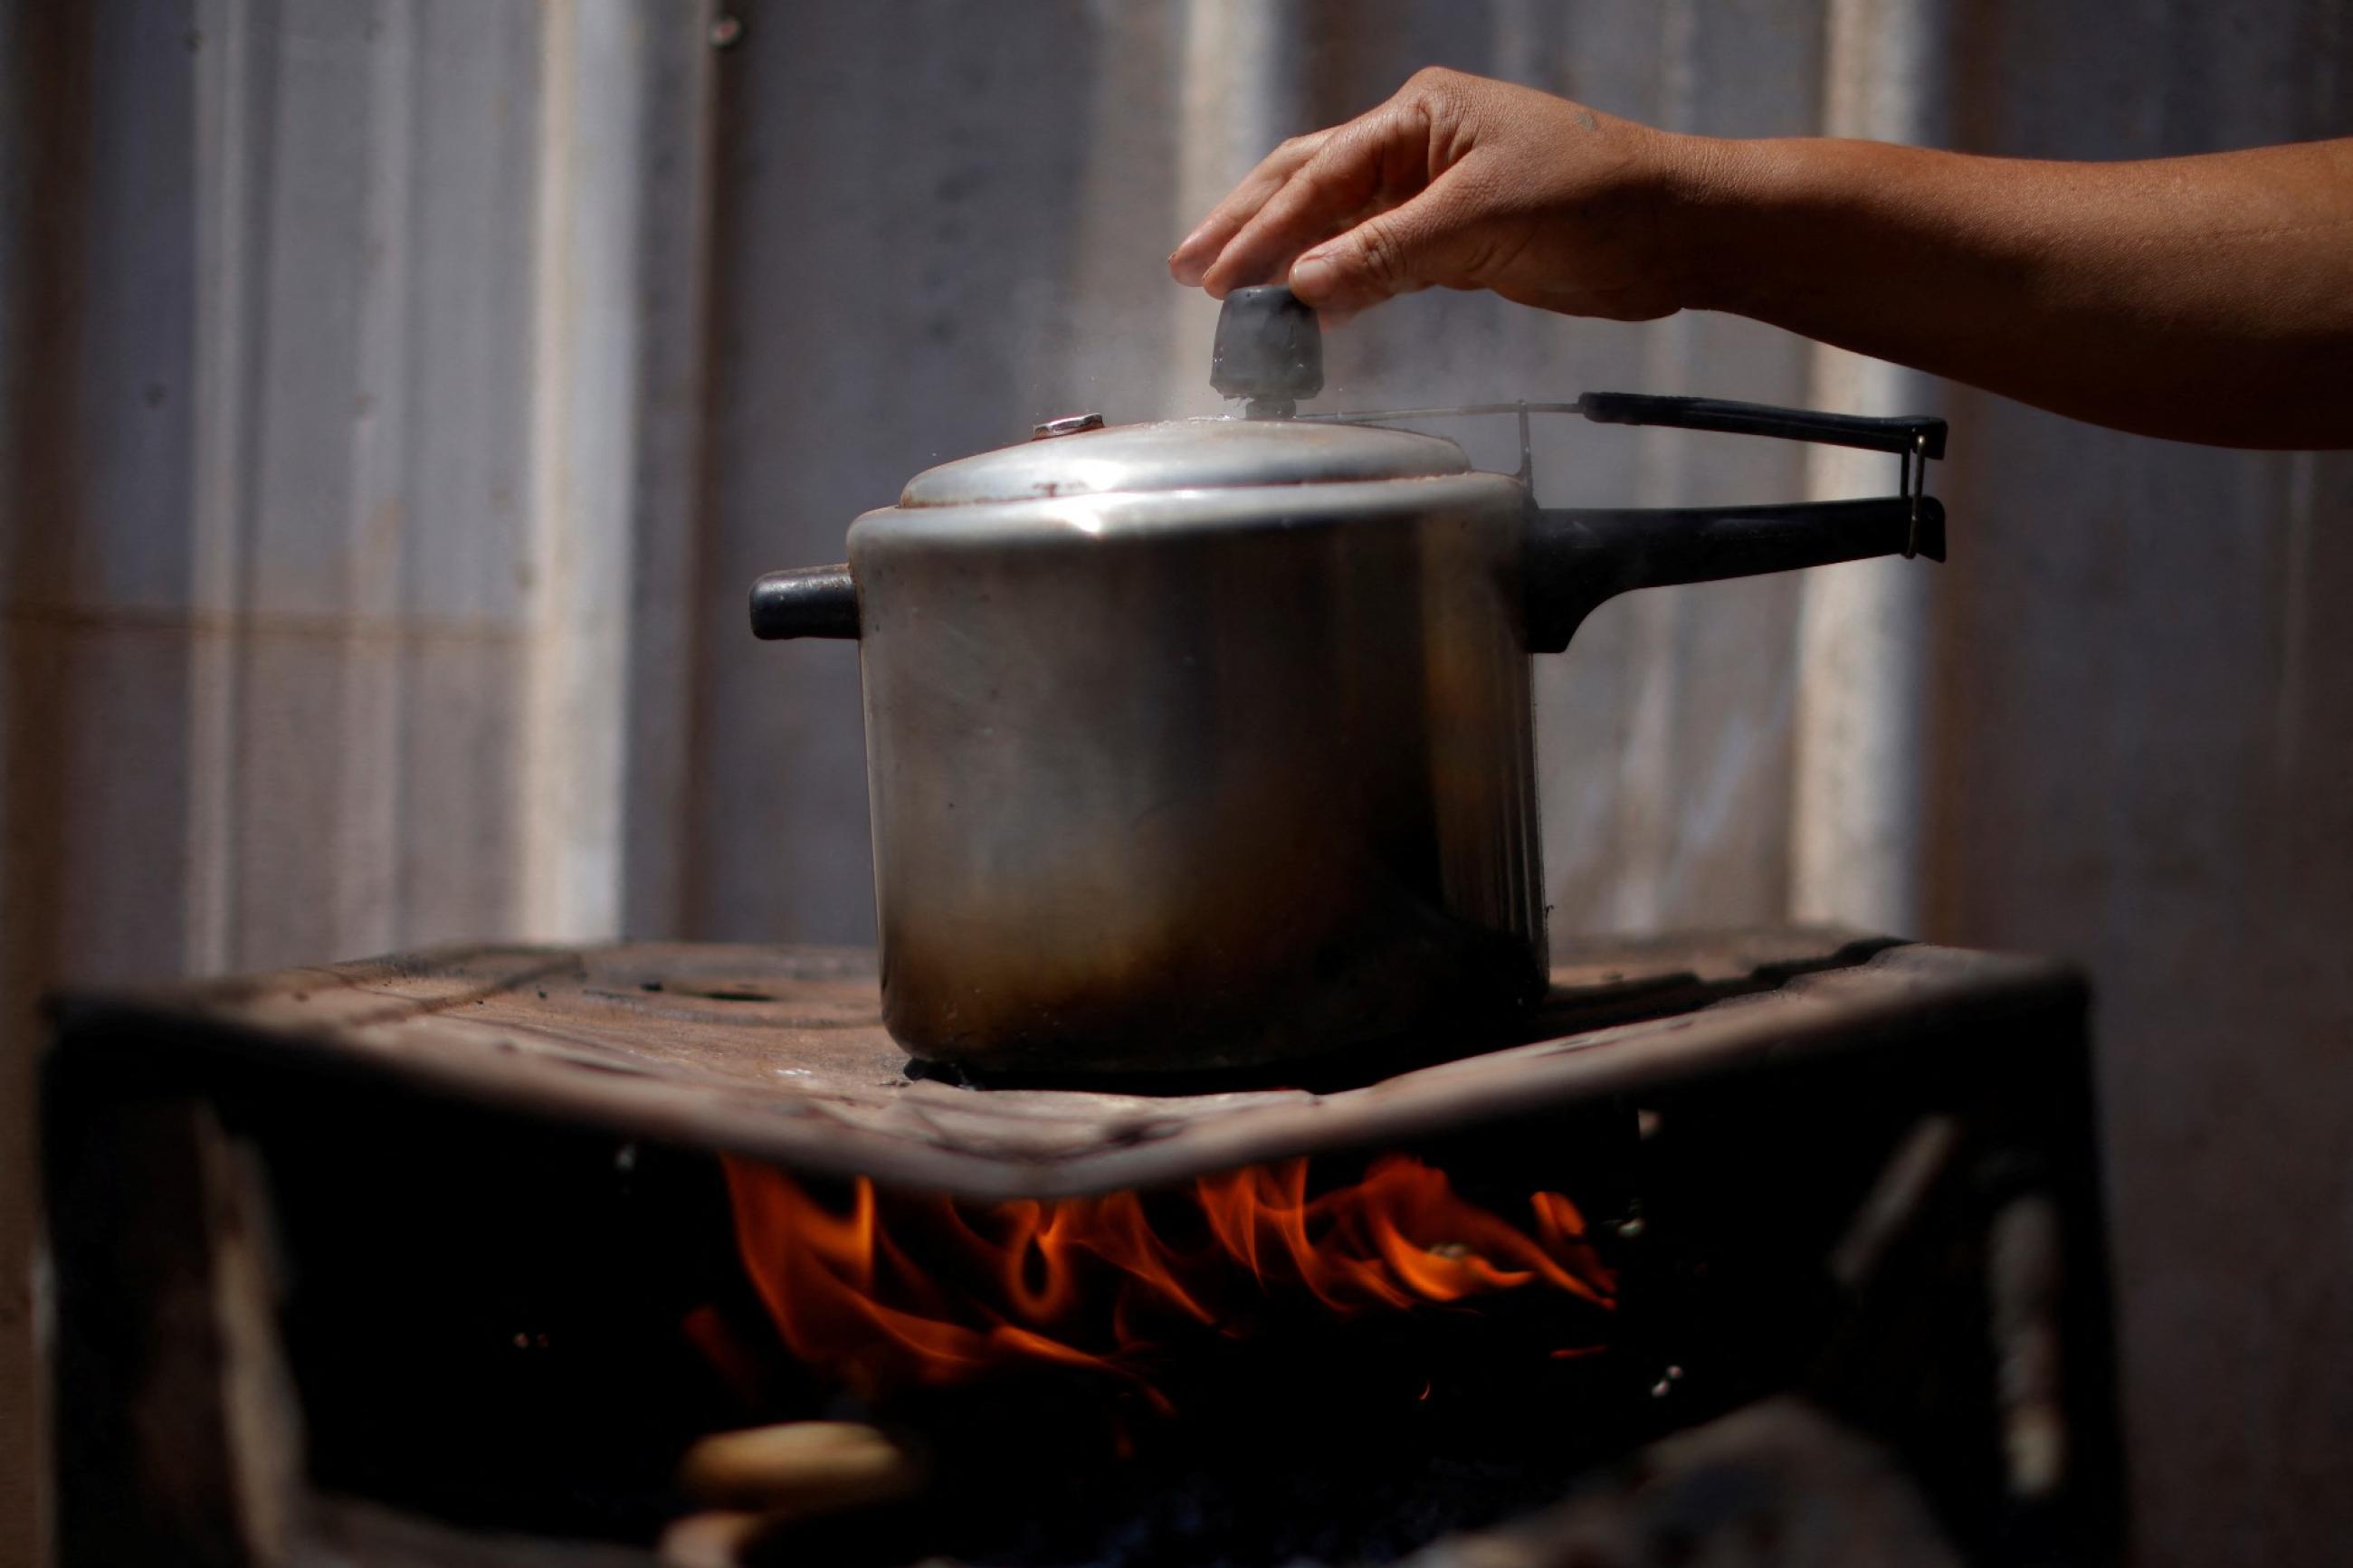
(2206, 298)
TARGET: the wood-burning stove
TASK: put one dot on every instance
(443, 1259)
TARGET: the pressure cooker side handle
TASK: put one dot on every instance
(1577, 559)
(807, 602)
(1914, 435)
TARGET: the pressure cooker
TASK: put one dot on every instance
(1209, 741)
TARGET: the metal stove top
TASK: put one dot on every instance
(779, 1053)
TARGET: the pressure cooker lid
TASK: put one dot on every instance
(1183, 455)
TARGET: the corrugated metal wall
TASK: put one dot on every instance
(400, 394)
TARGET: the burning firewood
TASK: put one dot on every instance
(762, 1479)
(799, 1467)
(718, 1539)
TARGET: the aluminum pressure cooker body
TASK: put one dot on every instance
(1197, 743)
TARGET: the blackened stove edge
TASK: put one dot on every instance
(777, 1054)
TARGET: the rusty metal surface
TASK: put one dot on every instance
(779, 1052)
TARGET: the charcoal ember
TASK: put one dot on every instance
(1346, 1446)
(1777, 1482)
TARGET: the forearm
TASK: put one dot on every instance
(2206, 298)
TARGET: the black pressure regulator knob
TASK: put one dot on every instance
(1270, 350)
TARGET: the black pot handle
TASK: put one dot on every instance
(1911, 435)
(807, 602)
(1577, 559)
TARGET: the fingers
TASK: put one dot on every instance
(1355, 172)
(1192, 257)
(1390, 253)
(1307, 191)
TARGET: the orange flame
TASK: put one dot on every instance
(1092, 1283)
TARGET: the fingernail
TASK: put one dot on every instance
(1311, 274)
(1186, 272)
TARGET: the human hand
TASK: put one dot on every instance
(1459, 183)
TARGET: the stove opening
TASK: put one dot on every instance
(1332, 1360)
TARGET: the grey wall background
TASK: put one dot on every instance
(398, 395)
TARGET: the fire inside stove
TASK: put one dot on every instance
(899, 1290)
(1332, 1360)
